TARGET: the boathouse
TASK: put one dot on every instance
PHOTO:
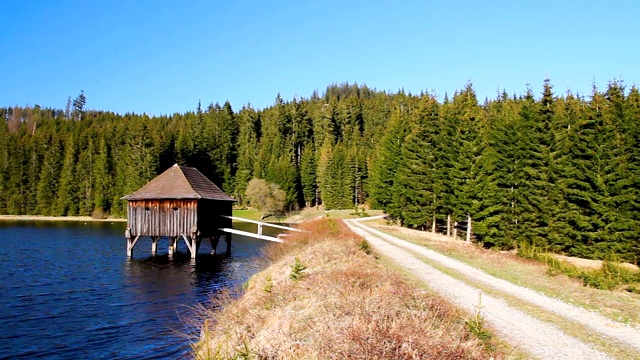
(180, 203)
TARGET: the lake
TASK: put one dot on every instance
(68, 291)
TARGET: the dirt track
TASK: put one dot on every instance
(541, 339)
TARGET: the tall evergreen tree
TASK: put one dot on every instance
(308, 177)
(66, 199)
(417, 175)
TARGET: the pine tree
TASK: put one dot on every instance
(534, 180)
(308, 178)
(387, 161)
(337, 193)
(65, 202)
(78, 105)
(417, 175)
(50, 176)
(323, 172)
(249, 124)
(101, 174)
(466, 124)
(4, 165)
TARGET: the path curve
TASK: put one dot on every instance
(540, 339)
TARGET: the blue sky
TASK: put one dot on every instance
(161, 57)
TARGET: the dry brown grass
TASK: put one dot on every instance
(345, 306)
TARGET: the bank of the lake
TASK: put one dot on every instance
(57, 218)
(324, 295)
(67, 290)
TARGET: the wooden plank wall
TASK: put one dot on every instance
(162, 217)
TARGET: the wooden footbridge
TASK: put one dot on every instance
(259, 235)
(181, 203)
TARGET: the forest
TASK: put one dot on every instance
(557, 171)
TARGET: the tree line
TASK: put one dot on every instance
(560, 172)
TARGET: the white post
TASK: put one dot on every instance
(468, 228)
(259, 231)
(455, 230)
(448, 225)
(433, 225)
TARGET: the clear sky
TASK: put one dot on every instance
(161, 57)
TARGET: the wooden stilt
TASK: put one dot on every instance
(193, 244)
(154, 245)
(227, 238)
(172, 245)
(131, 242)
(194, 247)
(214, 243)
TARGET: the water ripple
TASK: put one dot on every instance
(68, 292)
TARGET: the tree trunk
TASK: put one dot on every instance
(448, 225)
(433, 224)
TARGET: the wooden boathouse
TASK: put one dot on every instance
(180, 203)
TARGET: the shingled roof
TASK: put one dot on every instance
(180, 182)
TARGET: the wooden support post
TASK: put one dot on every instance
(172, 245)
(448, 225)
(154, 245)
(214, 243)
(191, 245)
(227, 239)
(131, 242)
(194, 247)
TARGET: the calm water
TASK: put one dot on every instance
(68, 291)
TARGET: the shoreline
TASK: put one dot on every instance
(56, 218)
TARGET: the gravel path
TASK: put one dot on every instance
(540, 339)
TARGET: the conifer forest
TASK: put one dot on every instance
(560, 171)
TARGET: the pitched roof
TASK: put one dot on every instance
(180, 182)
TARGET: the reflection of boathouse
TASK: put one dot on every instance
(180, 203)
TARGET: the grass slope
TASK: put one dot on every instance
(325, 296)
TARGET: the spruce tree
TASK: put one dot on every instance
(308, 178)
(66, 202)
(417, 175)
(387, 161)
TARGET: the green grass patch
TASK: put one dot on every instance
(611, 275)
(248, 214)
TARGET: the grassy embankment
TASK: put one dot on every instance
(618, 303)
(325, 295)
